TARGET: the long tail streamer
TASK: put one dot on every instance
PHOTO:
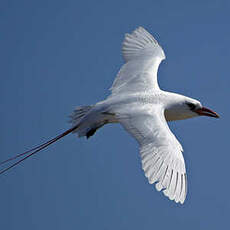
(33, 150)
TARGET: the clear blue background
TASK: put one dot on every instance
(58, 54)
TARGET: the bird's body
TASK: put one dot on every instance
(143, 109)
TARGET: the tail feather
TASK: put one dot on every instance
(78, 114)
(89, 119)
(35, 150)
(75, 119)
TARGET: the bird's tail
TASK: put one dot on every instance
(82, 130)
(88, 119)
(33, 151)
(78, 114)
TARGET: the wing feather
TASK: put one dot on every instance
(142, 55)
(141, 43)
(161, 153)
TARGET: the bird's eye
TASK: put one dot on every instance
(191, 105)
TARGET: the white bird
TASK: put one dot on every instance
(143, 109)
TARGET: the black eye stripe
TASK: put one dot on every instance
(191, 105)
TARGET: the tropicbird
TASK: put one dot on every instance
(143, 109)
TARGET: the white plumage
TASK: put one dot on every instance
(161, 153)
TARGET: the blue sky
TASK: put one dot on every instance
(56, 55)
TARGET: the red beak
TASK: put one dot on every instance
(206, 112)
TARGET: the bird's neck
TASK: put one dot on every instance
(175, 107)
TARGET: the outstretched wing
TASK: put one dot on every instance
(161, 153)
(142, 55)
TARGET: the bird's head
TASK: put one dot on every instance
(198, 110)
(185, 107)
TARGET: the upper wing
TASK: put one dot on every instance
(142, 55)
(161, 153)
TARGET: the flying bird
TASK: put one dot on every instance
(143, 109)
